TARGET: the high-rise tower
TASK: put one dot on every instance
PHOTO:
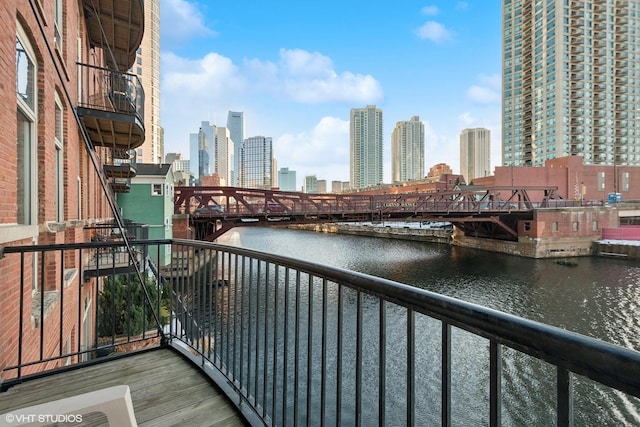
(256, 163)
(202, 150)
(365, 138)
(570, 81)
(475, 153)
(407, 150)
(223, 154)
(235, 124)
(147, 68)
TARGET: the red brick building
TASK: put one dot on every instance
(55, 123)
(574, 179)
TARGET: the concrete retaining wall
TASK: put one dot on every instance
(416, 234)
(617, 250)
(526, 247)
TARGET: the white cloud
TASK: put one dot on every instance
(213, 75)
(323, 151)
(182, 21)
(430, 10)
(194, 90)
(467, 120)
(483, 95)
(310, 77)
(487, 92)
(434, 31)
(438, 148)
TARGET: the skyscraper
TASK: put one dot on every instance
(235, 124)
(287, 179)
(407, 150)
(365, 140)
(570, 81)
(256, 160)
(147, 68)
(223, 165)
(202, 150)
(311, 184)
(475, 153)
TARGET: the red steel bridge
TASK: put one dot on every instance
(482, 212)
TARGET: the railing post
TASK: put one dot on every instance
(382, 363)
(565, 398)
(445, 391)
(339, 353)
(411, 356)
(358, 414)
(495, 388)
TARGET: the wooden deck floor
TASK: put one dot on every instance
(166, 390)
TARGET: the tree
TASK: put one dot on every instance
(123, 308)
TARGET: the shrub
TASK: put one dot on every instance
(123, 308)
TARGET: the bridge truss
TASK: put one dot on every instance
(480, 212)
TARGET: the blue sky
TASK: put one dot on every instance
(297, 68)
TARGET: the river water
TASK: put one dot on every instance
(600, 298)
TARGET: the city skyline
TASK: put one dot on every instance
(297, 82)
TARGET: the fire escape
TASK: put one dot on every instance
(111, 106)
(110, 110)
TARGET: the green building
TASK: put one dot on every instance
(150, 201)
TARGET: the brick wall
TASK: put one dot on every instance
(89, 208)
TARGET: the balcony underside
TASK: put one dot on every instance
(123, 171)
(112, 129)
(121, 187)
(118, 25)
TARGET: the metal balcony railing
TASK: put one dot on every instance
(296, 342)
(111, 90)
(112, 107)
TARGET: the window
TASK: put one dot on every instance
(26, 173)
(554, 227)
(59, 161)
(57, 24)
(79, 189)
(601, 181)
(625, 181)
(594, 225)
(157, 190)
(575, 225)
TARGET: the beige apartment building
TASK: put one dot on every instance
(475, 153)
(570, 81)
(147, 68)
(407, 150)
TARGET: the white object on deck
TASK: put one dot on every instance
(114, 402)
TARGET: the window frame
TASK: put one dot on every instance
(59, 159)
(58, 24)
(27, 170)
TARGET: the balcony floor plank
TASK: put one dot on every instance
(165, 389)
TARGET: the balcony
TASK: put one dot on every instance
(289, 342)
(120, 170)
(112, 108)
(117, 26)
(112, 257)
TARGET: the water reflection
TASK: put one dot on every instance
(599, 297)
